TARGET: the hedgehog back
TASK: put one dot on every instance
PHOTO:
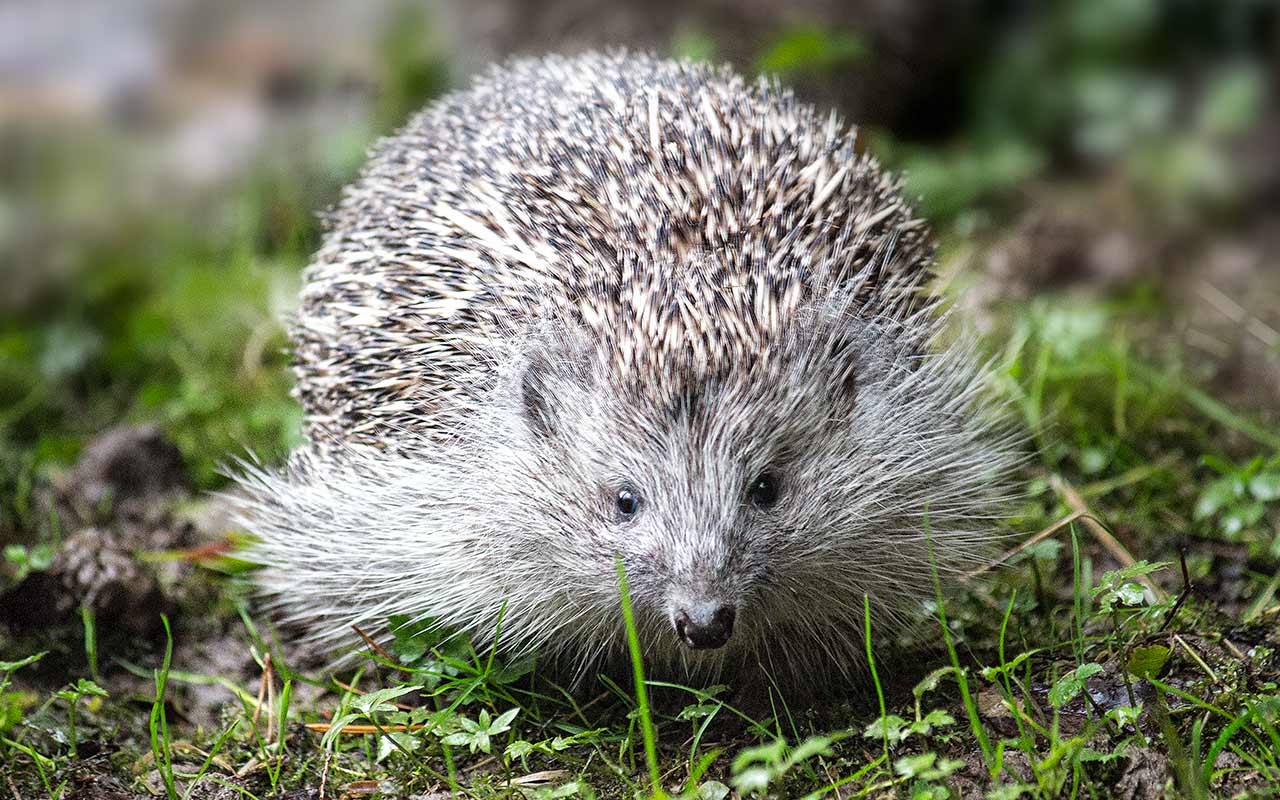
(676, 213)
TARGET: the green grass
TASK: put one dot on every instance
(1021, 654)
(161, 743)
(642, 692)
(1058, 621)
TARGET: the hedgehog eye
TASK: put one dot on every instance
(628, 502)
(763, 491)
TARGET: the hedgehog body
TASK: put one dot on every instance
(614, 309)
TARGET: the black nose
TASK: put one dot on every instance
(704, 627)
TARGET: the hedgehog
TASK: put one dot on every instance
(610, 314)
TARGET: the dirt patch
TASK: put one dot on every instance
(116, 503)
(133, 538)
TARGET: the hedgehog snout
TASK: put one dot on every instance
(704, 626)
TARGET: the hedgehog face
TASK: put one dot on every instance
(737, 502)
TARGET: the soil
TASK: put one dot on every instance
(133, 540)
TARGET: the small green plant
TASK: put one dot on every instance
(1118, 589)
(922, 770)
(368, 706)
(12, 704)
(896, 730)
(1236, 502)
(1069, 686)
(755, 769)
(477, 735)
(161, 743)
(72, 695)
(23, 560)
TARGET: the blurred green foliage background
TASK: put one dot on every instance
(153, 222)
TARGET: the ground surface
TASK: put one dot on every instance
(1104, 214)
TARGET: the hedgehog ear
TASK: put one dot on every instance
(557, 367)
(534, 395)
